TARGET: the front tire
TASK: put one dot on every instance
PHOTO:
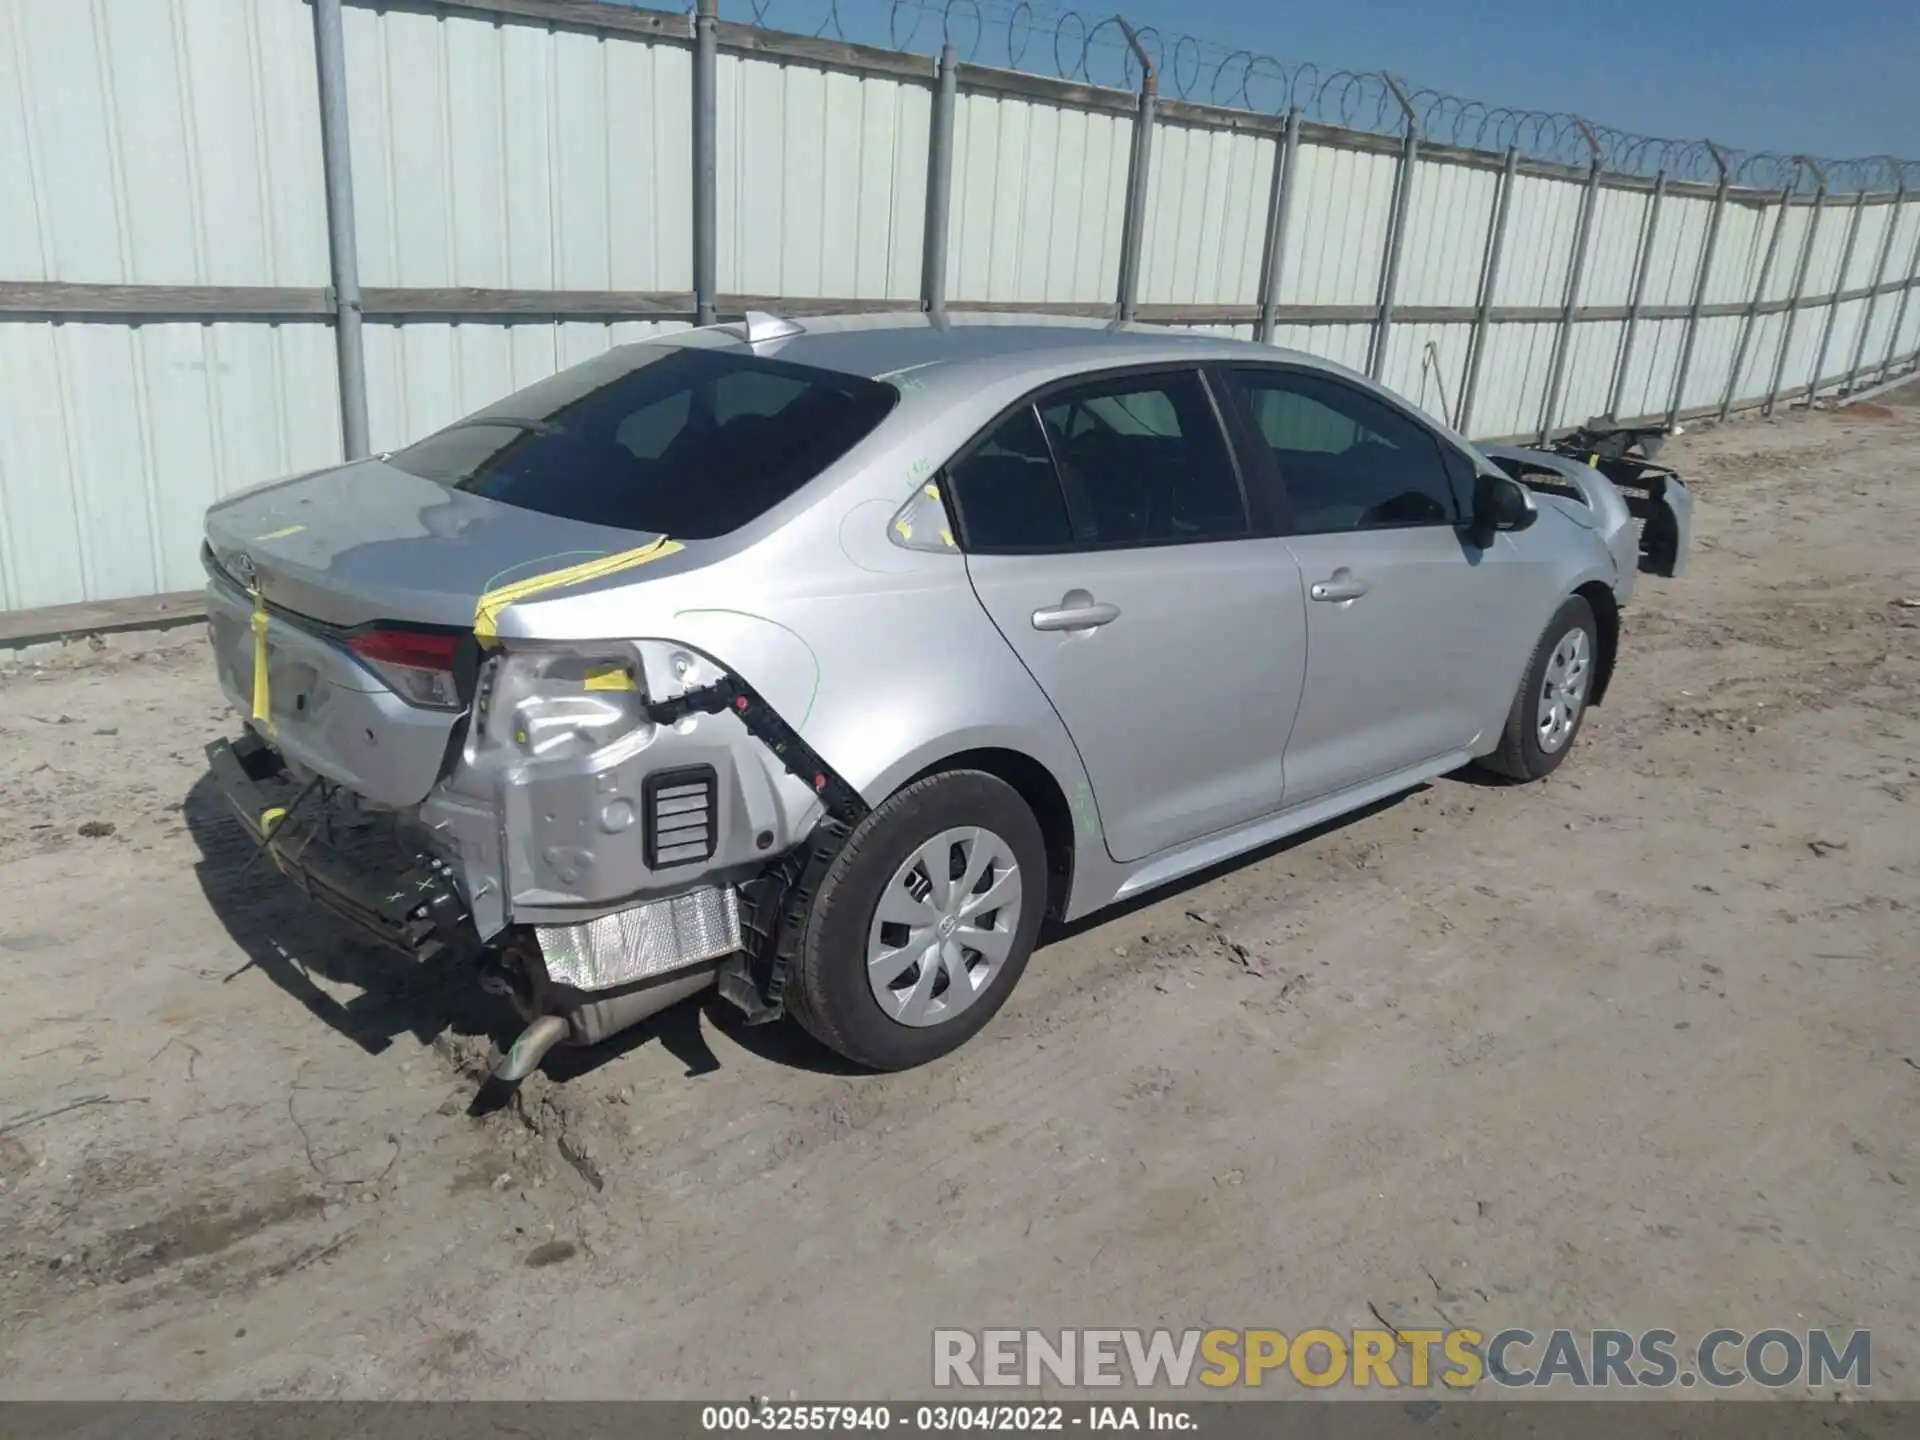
(924, 922)
(1552, 699)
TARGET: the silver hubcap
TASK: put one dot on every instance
(1565, 690)
(944, 926)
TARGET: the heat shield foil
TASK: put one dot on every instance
(644, 941)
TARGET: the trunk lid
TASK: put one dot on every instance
(334, 553)
(369, 541)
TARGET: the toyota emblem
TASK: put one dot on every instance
(243, 570)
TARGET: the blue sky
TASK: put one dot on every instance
(1834, 80)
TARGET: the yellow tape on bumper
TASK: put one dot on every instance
(262, 691)
(486, 615)
(610, 677)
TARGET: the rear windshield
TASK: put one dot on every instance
(680, 441)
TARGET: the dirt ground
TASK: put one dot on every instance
(1639, 1046)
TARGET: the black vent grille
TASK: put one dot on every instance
(682, 824)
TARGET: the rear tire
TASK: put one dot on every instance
(902, 963)
(1551, 703)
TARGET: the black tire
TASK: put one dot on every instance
(1521, 756)
(828, 991)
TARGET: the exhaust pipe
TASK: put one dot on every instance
(530, 1049)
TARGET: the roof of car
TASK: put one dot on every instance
(886, 345)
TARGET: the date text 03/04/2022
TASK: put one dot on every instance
(940, 1418)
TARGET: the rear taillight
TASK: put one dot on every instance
(418, 664)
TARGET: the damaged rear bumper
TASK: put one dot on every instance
(596, 977)
(488, 850)
(418, 910)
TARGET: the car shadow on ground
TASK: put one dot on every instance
(1480, 779)
(789, 1045)
(292, 940)
(296, 943)
(1055, 933)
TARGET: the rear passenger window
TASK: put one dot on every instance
(1348, 460)
(1143, 462)
(687, 442)
(1008, 494)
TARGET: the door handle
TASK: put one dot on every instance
(1338, 586)
(1077, 610)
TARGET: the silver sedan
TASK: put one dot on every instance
(827, 660)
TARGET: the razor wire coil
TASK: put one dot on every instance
(1090, 48)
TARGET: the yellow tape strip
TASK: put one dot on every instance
(262, 691)
(486, 615)
(610, 677)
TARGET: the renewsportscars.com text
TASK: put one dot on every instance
(1455, 1359)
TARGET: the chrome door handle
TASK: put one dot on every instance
(1340, 587)
(1077, 610)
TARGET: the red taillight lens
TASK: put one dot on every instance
(418, 664)
(425, 650)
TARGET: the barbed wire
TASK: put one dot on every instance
(1091, 48)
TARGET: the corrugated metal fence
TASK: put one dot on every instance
(523, 179)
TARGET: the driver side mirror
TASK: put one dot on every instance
(1501, 503)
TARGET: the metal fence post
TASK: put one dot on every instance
(1900, 314)
(1576, 273)
(1700, 283)
(1489, 280)
(1641, 269)
(1799, 280)
(706, 174)
(1137, 172)
(1753, 303)
(933, 252)
(1833, 302)
(1396, 230)
(1879, 279)
(336, 159)
(1273, 259)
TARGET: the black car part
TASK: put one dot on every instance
(1624, 454)
(1605, 438)
(679, 816)
(775, 902)
(417, 911)
(798, 758)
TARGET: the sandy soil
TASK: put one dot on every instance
(1638, 1046)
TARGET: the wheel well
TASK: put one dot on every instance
(1606, 621)
(1044, 797)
